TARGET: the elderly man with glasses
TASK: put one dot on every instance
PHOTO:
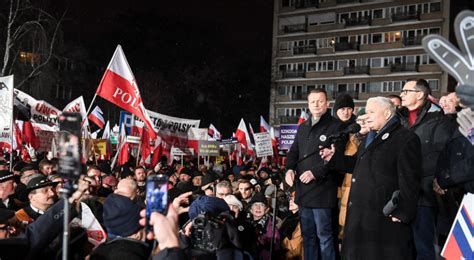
(434, 130)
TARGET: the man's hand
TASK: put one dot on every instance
(31, 152)
(165, 228)
(437, 188)
(290, 177)
(181, 203)
(326, 154)
(307, 177)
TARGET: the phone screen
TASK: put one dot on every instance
(70, 145)
(156, 195)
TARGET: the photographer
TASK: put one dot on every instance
(210, 233)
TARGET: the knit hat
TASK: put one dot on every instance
(205, 204)
(343, 100)
(232, 200)
(258, 197)
(121, 215)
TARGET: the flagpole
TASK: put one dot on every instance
(12, 122)
(90, 105)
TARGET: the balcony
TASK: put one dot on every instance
(291, 74)
(299, 96)
(309, 49)
(354, 94)
(295, 28)
(346, 46)
(300, 4)
(347, 1)
(402, 67)
(405, 16)
(358, 21)
(412, 40)
(353, 70)
(288, 119)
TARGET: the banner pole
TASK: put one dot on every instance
(90, 105)
(12, 122)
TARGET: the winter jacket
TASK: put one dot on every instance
(434, 130)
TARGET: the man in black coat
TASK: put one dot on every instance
(388, 160)
(316, 189)
(434, 130)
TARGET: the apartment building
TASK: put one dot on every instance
(363, 48)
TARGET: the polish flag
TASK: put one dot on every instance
(303, 117)
(118, 86)
(460, 241)
(29, 135)
(213, 133)
(97, 117)
(106, 133)
(264, 126)
(243, 136)
(157, 152)
(194, 136)
(274, 143)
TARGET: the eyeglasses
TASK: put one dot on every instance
(405, 91)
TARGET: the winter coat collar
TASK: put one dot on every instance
(382, 135)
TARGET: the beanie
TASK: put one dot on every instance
(343, 100)
(121, 215)
(210, 205)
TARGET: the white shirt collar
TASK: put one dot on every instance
(36, 210)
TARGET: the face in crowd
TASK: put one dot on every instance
(450, 104)
(258, 210)
(221, 192)
(42, 198)
(361, 120)
(317, 104)
(246, 190)
(140, 175)
(411, 96)
(25, 176)
(377, 114)
(344, 113)
(7, 188)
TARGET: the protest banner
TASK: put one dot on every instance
(176, 151)
(38, 111)
(6, 110)
(287, 135)
(263, 144)
(172, 130)
(208, 148)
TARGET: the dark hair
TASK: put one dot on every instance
(395, 96)
(318, 90)
(423, 86)
(44, 162)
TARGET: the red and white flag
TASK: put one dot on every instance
(97, 117)
(118, 86)
(264, 126)
(213, 133)
(303, 117)
(243, 136)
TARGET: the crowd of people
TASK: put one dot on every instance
(388, 191)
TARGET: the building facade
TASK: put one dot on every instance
(363, 48)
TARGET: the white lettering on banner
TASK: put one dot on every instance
(289, 131)
(125, 97)
(174, 125)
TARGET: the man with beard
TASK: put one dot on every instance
(41, 197)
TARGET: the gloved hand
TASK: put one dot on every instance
(466, 123)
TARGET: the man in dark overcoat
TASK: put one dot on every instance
(389, 159)
(316, 189)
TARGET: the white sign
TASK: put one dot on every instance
(133, 139)
(39, 111)
(263, 144)
(175, 151)
(6, 109)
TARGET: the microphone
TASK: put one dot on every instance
(327, 141)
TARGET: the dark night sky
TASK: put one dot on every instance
(160, 37)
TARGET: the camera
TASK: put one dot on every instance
(208, 233)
